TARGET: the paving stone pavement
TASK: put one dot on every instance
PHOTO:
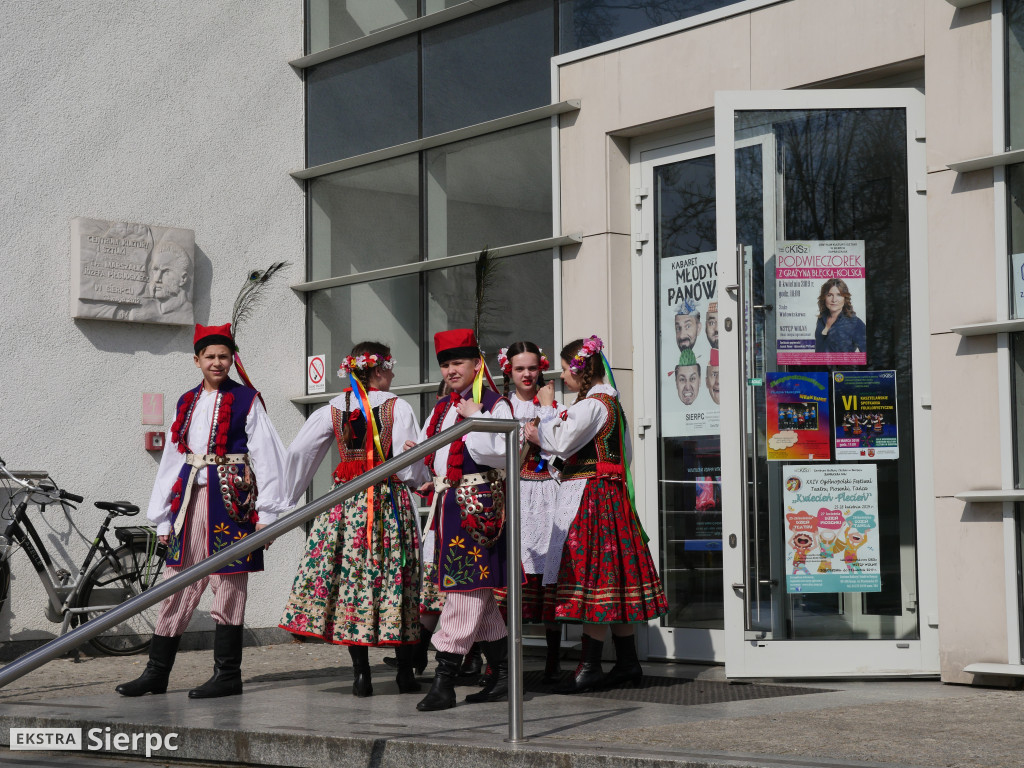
(890, 723)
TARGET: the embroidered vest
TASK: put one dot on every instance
(602, 456)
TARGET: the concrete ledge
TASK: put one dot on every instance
(991, 668)
(382, 749)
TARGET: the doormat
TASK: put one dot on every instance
(683, 691)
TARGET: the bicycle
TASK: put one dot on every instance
(130, 569)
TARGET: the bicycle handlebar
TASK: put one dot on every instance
(50, 489)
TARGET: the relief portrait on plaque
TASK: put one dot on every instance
(132, 272)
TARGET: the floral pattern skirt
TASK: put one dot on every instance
(607, 575)
(431, 598)
(352, 592)
(538, 600)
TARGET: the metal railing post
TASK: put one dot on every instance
(68, 642)
(515, 589)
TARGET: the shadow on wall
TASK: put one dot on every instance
(114, 336)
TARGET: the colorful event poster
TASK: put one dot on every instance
(831, 528)
(688, 345)
(864, 404)
(820, 302)
(798, 425)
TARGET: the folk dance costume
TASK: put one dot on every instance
(220, 474)
(467, 520)
(358, 582)
(538, 492)
(606, 574)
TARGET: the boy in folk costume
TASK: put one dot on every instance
(467, 523)
(222, 448)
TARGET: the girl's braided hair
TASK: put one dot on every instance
(593, 369)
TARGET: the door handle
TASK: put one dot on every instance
(732, 290)
(773, 582)
(738, 586)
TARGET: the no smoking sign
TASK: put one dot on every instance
(316, 375)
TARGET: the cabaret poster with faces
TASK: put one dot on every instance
(831, 528)
(864, 404)
(798, 424)
(820, 302)
(688, 345)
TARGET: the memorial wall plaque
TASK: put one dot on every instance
(132, 272)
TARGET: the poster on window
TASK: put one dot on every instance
(864, 404)
(688, 345)
(798, 425)
(820, 302)
(831, 528)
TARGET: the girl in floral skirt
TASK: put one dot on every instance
(358, 583)
(523, 364)
(606, 574)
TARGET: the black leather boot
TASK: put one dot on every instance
(472, 663)
(361, 687)
(406, 679)
(420, 656)
(588, 675)
(153, 679)
(496, 687)
(627, 669)
(552, 669)
(442, 692)
(227, 665)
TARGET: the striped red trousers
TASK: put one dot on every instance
(466, 618)
(229, 592)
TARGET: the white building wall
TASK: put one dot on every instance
(181, 114)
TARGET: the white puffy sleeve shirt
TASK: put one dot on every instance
(485, 448)
(266, 452)
(316, 438)
(583, 420)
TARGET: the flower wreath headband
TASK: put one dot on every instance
(362, 362)
(506, 364)
(591, 347)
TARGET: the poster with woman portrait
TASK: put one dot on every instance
(820, 302)
(688, 345)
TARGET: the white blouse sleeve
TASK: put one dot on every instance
(582, 423)
(159, 511)
(307, 451)
(488, 448)
(406, 428)
(267, 453)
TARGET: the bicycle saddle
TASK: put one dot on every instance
(118, 507)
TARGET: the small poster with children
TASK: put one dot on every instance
(831, 528)
(688, 345)
(864, 404)
(820, 302)
(798, 424)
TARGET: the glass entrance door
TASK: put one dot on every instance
(678, 350)
(823, 320)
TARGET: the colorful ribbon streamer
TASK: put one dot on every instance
(363, 400)
(623, 426)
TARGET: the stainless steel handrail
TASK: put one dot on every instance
(304, 514)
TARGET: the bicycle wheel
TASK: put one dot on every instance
(130, 571)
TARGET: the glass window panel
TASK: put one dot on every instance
(366, 218)
(589, 22)
(1015, 216)
(1013, 13)
(1017, 345)
(361, 102)
(383, 310)
(689, 452)
(433, 6)
(518, 305)
(488, 191)
(487, 65)
(333, 22)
